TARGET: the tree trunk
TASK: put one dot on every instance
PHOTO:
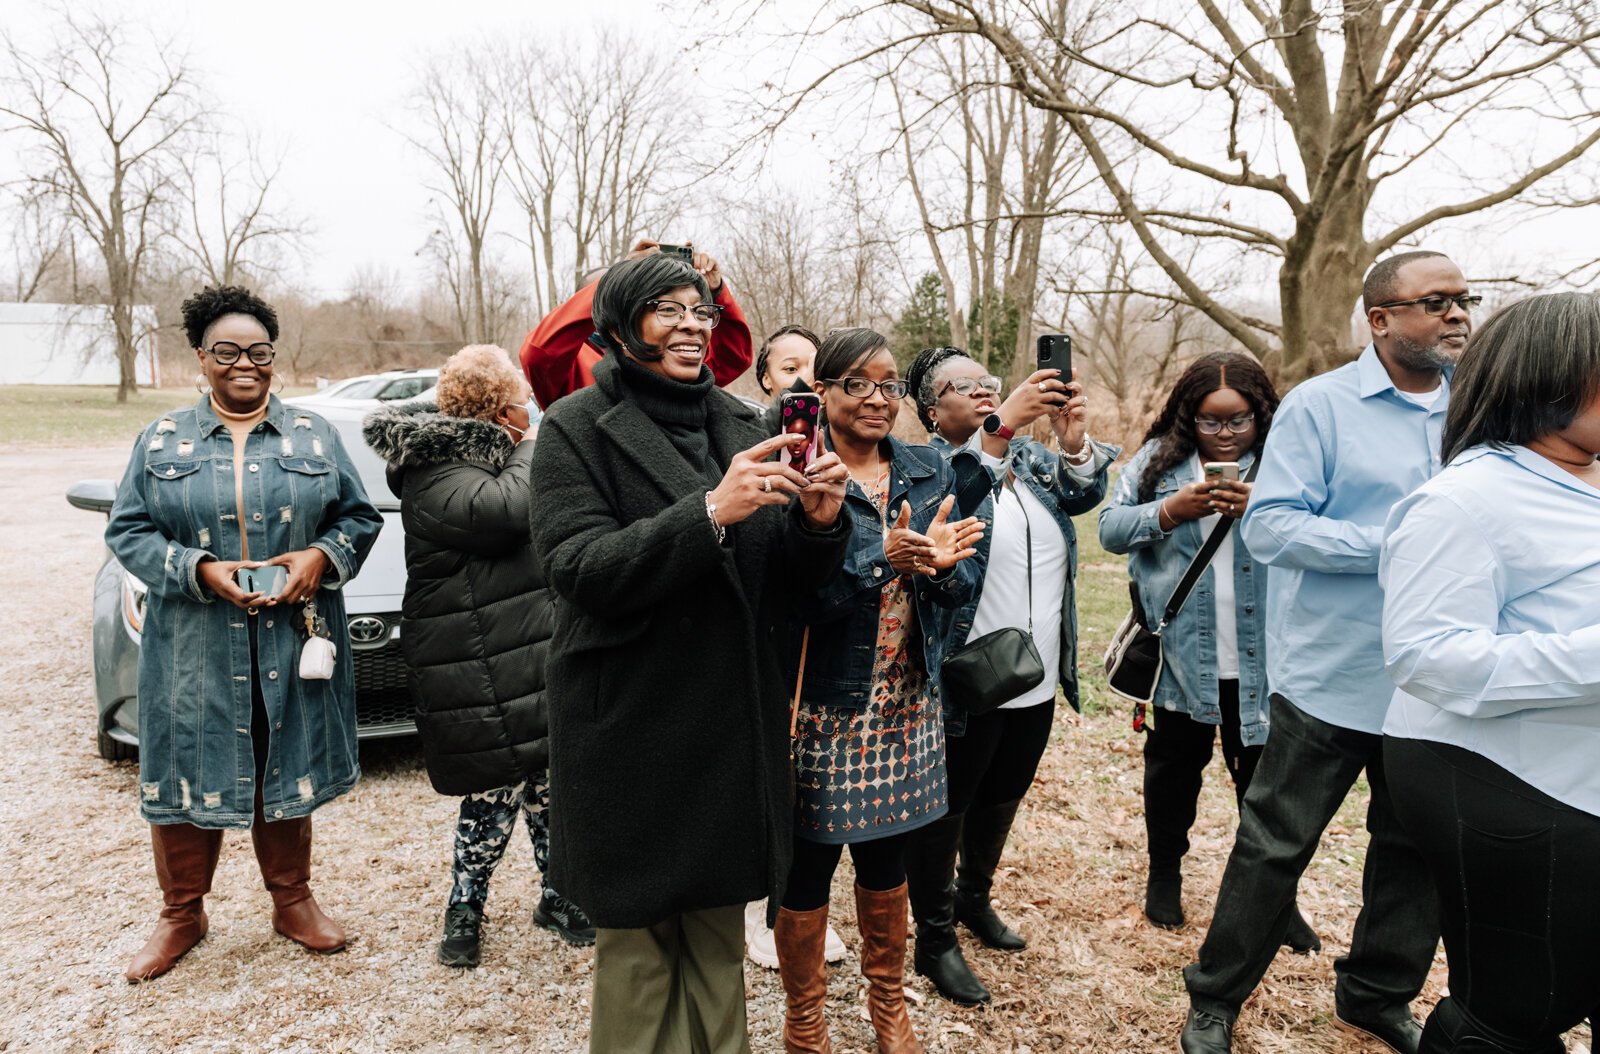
(1319, 284)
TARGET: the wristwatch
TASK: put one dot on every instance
(996, 427)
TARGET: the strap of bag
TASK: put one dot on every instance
(1027, 527)
(799, 679)
(1201, 561)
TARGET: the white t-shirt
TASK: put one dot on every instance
(1004, 601)
(1426, 400)
(1227, 615)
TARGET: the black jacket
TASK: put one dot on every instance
(669, 698)
(476, 619)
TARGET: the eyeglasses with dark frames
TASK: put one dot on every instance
(671, 312)
(969, 385)
(1210, 426)
(862, 388)
(227, 353)
(1439, 304)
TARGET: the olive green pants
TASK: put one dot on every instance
(673, 988)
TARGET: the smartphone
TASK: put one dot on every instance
(268, 581)
(682, 252)
(1053, 351)
(1216, 471)
(799, 413)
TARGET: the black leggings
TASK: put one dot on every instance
(995, 761)
(880, 864)
(1515, 870)
(1176, 753)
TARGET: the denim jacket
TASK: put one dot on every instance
(1157, 560)
(843, 616)
(176, 507)
(1041, 470)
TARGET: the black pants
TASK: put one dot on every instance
(1176, 753)
(1306, 769)
(880, 864)
(995, 761)
(1516, 870)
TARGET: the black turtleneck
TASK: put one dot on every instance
(679, 407)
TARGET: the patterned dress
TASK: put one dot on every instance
(879, 771)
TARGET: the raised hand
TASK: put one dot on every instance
(823, 499)
(752, 481)
(952, 542)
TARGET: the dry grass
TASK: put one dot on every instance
(82, 896)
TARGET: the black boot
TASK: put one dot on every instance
(930, 876)
(983, 839)
(1163, 895)
(1301, 937)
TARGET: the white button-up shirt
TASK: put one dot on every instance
(1491, 618)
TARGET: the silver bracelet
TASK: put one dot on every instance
(1084, 455)
(711, 514)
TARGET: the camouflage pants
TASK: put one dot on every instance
(484, 830)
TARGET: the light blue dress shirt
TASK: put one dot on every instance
(1343, 449)
(1491, 619)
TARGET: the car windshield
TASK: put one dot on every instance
(367, 389)
(405, 388)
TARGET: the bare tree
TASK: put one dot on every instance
(232, 224)
(104, 117)
(459, 133)
(40, 243)
(1316, 135)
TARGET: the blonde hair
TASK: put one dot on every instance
(478, 381)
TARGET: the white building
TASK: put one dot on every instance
(72, 344)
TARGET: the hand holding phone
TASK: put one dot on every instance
(267, 579)
(798, 414)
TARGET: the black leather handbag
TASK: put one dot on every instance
(984, 673)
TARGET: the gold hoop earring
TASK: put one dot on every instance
(200, 384)
(281, 386)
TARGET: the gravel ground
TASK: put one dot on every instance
(82, 893)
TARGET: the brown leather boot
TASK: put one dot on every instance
(186, 858)
(283, 850)
(882, 918)
(800, 936)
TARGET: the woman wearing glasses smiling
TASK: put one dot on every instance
(1214, 671)
(230, 733)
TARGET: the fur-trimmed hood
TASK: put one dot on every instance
(416, 434)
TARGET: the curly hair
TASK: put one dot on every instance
(1174, 426)
(766, 350)
(208, 305)
(920, 376)
(479, 381)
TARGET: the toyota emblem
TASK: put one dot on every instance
(365, 629)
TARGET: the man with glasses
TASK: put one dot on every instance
(1344, 448)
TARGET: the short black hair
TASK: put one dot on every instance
(1525, 373)
(208, 305)
(766, 350)
(1379, 287)
(845, 349)
(924, 368)
(619, 299)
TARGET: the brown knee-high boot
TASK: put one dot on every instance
(800, 936)
(881, 914)
(186, 858)
(283, 850)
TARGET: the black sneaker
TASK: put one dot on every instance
(557, 913)
(460, 944)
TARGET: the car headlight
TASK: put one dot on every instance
(133, 597)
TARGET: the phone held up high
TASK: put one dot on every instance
(682, 252)
(798, 414)
(1054, 352)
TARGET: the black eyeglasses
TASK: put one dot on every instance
(1210, 426)
(1437, 304)
(861, 387)
(670, 312)
(968, 385)
(227, 353)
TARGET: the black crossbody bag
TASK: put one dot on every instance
(1133, 661)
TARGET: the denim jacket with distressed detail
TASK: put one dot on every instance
(1157, 560)
(175, 508)
(1043, 472)
(843, 617)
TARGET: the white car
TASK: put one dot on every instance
(371, 389)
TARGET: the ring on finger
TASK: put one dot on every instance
(766, 484)
(1044, 386)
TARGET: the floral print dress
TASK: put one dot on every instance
(878, 771)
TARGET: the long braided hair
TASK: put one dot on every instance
(1174, 425)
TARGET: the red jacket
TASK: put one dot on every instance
(559, 360)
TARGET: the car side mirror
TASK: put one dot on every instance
(93, 495)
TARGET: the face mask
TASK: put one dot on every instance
(532, 409)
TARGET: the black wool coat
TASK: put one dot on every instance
(670, 776)
(476, 619)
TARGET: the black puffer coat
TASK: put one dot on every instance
(476, 620)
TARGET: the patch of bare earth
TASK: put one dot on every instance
(81, 894)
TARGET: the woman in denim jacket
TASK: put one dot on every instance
(1214, 671)
(230, 735)
(868, 733)
(992, 758)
